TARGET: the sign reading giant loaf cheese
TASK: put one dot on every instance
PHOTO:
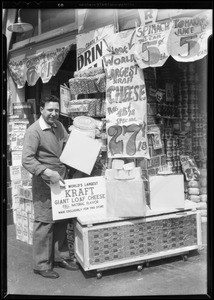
(80, 197)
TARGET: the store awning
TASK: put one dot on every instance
(38, 61)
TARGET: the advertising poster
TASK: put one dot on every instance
(188, 39)
(126, 107)
(44, 65)
(79, 197)
(151, 44)
(121, 42)
(65, 100)
(91, 47)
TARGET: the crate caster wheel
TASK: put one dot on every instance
(147, 264)
(139, 268)
(184, 257)
(99, 275)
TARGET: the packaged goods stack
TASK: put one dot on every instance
(18, 177)
(89, 86)
(194, 143)
(25, 215)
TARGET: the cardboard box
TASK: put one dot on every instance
(16, 157)
(155, 152)
(15, 184)
(151, 109)
(15, 201)
(28, 206)
(19, 173)
(154, 162)
(21, 109)
(166, 192)
(26, 192)
(16, 140)
(21, 204)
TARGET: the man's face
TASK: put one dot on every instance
(50, 112)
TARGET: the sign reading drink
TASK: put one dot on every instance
(91, 47)
(79, 197)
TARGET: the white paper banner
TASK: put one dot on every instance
(188, 39)
(147, 16)
(126, 107)
(80, 197)
(152, 47)
(121, 42)
(91, 47)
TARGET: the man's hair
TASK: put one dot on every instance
(50, 98)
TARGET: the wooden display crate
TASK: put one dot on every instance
(114, 243)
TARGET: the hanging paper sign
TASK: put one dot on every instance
(147, 16)
(121, 42)
(91, 47)
(126, 107)
(80, 197)
(151, 46)
(44, 65)
(188, 39)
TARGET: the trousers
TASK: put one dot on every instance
(49, 244)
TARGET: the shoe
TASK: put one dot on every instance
(68, 265)
(47, 273)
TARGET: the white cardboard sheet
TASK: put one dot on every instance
(80, 152)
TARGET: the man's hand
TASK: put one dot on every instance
(53, 176)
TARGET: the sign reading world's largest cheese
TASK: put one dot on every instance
(79, 197)
(126, 107)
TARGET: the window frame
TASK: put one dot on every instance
(47, 35)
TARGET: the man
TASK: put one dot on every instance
(42, 147)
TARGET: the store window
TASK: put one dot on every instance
(55, 18)
(44, 21)
(128, 18)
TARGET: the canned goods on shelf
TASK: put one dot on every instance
(168, 143)
(170, 163)
(174, 153)
(169, 153)
(174, 143)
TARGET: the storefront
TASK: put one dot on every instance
(136, 87)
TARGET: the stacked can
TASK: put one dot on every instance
(179, 102)
(193, 93)
(168, 149)
(172, 152)
(176, 154)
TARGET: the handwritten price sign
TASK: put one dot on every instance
(127, 140)
(188, 39)
(151, 47)
(126, 107)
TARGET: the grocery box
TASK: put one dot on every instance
(25, 192)
(155, 152)
(16, 156)
(28, 206)
(16, 140)
(21, 204)
(22, 109)
(166, 192)
(19, 173)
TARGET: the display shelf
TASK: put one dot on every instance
(119, 242)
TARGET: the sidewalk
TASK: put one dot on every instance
(171, 276)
